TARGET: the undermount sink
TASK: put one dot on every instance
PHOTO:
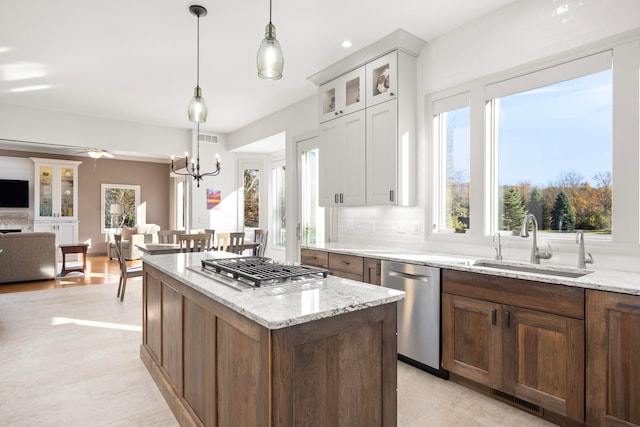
(530, 268)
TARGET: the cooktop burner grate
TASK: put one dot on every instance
(260, 270)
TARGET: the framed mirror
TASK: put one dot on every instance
(119, 206)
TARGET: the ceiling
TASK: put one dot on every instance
(136, 60)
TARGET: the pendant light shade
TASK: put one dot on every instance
(197, 107)
(270, 60)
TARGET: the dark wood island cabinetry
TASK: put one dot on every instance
(217, 367)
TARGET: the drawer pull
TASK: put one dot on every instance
(507, 319)
(628, 306)
(494, 316)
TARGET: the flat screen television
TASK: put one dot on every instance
(14, 193)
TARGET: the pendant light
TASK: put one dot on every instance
(197, 107)
(270, 60)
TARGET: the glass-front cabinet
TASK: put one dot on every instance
(56, 189)
(382, 79)
(343, 95)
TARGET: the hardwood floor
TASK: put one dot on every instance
(100, 269)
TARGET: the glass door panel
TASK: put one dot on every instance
(311, 220)
(46, 191)
(67, 192)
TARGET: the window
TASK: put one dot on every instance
(279, 205)
(452, 125)
(251, 179)
(553, 146)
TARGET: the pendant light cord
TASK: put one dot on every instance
(270, 11)
(198, 54)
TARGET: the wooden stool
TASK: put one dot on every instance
(73, 248)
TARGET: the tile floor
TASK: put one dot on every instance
(69, 357)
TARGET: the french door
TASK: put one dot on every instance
(311, 225)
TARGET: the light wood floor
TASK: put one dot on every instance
(100, 269)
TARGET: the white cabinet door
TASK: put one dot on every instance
(382, 79)
(354, 164)
(342, 161)
(382, 152)
(330, 163)
(343, 95)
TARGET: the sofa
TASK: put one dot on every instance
(27, 256)
(132, 236)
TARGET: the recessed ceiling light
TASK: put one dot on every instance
(347, 43)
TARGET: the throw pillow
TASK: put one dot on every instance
(128, 231)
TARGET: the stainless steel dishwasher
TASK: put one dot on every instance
(418, 313)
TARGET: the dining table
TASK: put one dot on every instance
(173, 248)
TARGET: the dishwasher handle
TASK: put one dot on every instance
(403, 275)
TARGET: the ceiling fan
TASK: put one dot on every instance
(96, 153)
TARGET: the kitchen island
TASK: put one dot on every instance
(321, 352)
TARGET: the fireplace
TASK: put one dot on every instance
(11, 222)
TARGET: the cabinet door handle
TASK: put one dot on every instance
(494, 316)
(378, 269)
(628, 306)
(341, 198)
(507, 319)
(391, 195)
(335, 198)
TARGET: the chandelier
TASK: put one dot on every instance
(192, 168)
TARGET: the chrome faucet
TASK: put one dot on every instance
(499, 247)
(582, 260)
(536, 255)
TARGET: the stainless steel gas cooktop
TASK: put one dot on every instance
(255, 272)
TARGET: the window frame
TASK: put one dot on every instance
(442, 106)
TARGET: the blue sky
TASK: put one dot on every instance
(565, 127)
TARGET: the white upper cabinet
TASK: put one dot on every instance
(368, 125)
(343, 95)
(382, 79)
(56, 190)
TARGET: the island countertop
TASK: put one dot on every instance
(277, 306)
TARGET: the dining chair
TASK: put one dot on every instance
(231, 242)
(213, 233)
(169, 236)
(199, 242)
(125, 272)
(260, 237)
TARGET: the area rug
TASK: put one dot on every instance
(70, 357)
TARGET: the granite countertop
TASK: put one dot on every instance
(278, 306)
(626, 282)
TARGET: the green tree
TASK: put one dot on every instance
(563, 215)
(251, 198)
(513, 210)
(458, 206)
(537, 207)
